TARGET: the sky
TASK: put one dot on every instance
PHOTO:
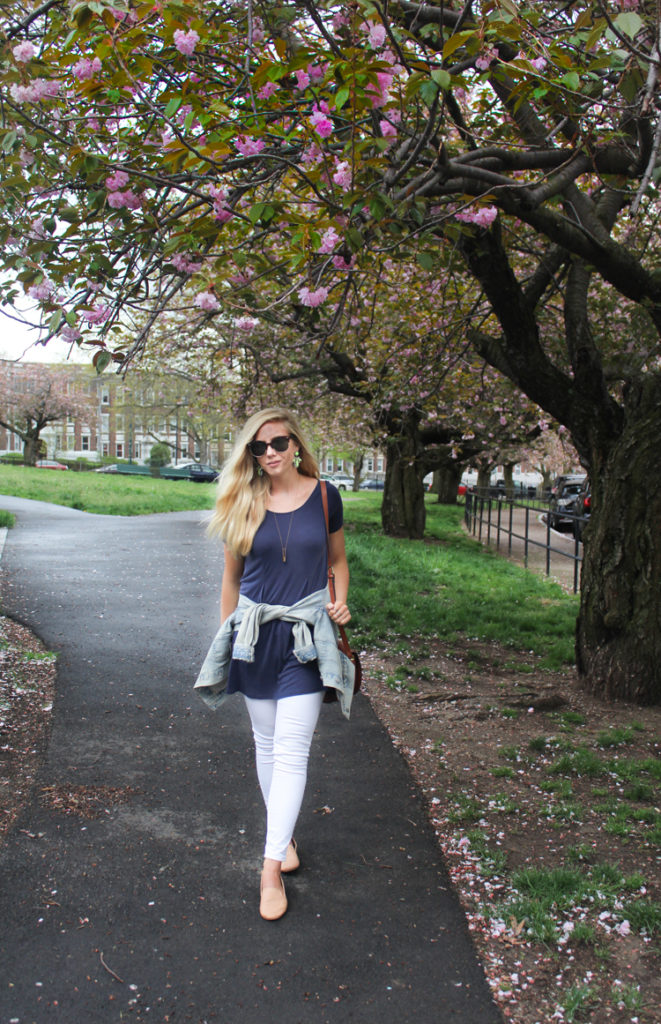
(17, 342)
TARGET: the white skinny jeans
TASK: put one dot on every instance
(283, 731)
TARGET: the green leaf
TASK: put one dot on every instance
(629, 23)
(442, 78)
(571, 80)
(454, 42)
(428, 91)
(426, 260)
(342, 96)
(173, 106)
(100, 360)
(9, 141)
(55, 320)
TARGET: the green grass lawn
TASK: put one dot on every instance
(104, 493)
(446, 586)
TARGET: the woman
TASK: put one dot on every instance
(276, 644)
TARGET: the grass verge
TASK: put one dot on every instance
(104, 493)
(450, 586)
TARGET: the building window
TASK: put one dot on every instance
(379, 465)
(120, 450)
(105, 397)
(105, 450)
(370, 465)
(85, 442)
(119, 422)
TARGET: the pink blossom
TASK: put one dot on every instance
(128, 199)
(329, 240)
(267, 90)
(184, 264)
(24, 52)
(41, 291)
(376, 33)
(623, 928)
(311, 298)
(186, 42)
(342, 263)
(117, 180)
(339, 20)
(26, 157)
(539, 63)
(380, 93)
(302, 79)
(206, 301)
(388, 130)
(483, 217)
(342, 175)
(312, 154)
(249, 147)
(70, 334)
(321, 123)
(257, 30)
(246, 323)
(316, 71)
(37, 228)
(86, 68)
(98, 314)
(485, 60)
(628, 5)
(38, 89)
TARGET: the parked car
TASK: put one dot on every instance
(565, 478)
(562, 502)
(342, 481)
(581, 509)
(192, 471)
(111, 468)
(49, 464)
(371, 485)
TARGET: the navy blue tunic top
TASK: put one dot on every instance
(266, 579)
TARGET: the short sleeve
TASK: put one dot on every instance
(335, 509)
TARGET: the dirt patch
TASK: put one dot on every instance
(546, 804)
(27, 691)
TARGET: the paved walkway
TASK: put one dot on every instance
(149, 912)
(562, 557)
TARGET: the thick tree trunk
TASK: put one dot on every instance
(618, 635)
(403, 508)
(446, 483)
(31, 449)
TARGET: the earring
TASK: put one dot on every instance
(260, 471)
(297, 459)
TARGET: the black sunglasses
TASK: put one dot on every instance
(278, 444)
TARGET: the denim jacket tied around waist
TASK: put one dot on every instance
(335, 668)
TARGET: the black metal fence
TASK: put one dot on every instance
(523, 526)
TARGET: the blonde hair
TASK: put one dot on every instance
(242, 493)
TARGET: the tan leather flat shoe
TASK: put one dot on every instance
(292, 861)
(272, 901)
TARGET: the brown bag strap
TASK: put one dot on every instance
(331, 575)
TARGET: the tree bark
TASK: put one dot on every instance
(403, 508)
(618, 634)
(446, 483)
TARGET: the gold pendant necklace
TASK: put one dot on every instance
(283, 547)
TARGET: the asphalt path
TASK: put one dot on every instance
(150, 911)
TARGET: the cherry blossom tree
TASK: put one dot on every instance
(33, 396)
(157, 149)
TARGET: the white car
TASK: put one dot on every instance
(342, 481)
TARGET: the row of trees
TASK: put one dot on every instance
(382, 198)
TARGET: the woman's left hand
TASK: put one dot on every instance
(338, 612)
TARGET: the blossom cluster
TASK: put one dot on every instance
(186, 42)
(36, 90)
(312, 297)
(85, 68)
(483, 216)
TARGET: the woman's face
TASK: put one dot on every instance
(275, 463)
